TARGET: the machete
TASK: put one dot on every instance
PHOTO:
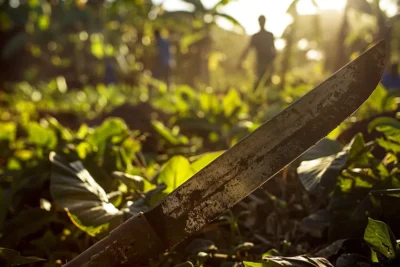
(241, 169)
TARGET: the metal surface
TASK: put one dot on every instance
(263, 153)
(246, 166)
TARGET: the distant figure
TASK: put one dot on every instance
(110, 75)
(263, 43)
(391, 79)
(162, 68)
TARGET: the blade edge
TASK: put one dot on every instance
(219, 185)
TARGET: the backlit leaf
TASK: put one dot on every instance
(175, 172)
(74, 189)
(379, 236)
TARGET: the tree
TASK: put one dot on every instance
(290, 37)
(203, 19)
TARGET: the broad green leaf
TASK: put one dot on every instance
(59, 129)
(383, 121)
(324, 148)
(320, 175)
(390, 132)
(204, 160)
(8, 131)
(41, 136)
(131, 181)
(174, 139)
(74, 189)
(10, 257)
(388, 145)
(271, 252)
(357, 147)
(231, 102)
(175, 172)
(109, 128)
(255, 264)
(379, 236)
(83, 149)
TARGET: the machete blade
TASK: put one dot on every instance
(257, 157)
(241, 169)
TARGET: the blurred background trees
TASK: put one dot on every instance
(41, 40)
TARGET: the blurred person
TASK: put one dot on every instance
(264, 44)
(110, 73)
(391, 78)
(163, 58)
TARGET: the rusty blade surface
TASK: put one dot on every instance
(241, 169)
(263, 153)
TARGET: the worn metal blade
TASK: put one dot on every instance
(243, 168)
(263, 153)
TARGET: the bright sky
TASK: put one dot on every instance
(247, 11)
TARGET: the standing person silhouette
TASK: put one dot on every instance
(263, 43)
(162, 68)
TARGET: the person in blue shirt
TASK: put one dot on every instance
(391, 79)
(163, 58)
(110, 73)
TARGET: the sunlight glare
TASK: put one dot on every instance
(305, 7)
(247, 12)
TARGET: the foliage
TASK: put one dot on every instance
(80, 155)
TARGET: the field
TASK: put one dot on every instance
(79, 156)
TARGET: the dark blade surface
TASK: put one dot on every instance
(241, 169)
(263, 153)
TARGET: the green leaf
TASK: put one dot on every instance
(324, 148)
(131, 181)
(74, 189)
(108, 129)
(271, 252)
(388, 145)
(357, 146)
(175, 172)
(59, 129)
(254, 264)
(41, 136)
(383, 121)
(379, 236)
(8, 131)
(391, 133)
(204, 160)
(319, 176)
(9, 257)
(174, 139)
(231, 102)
